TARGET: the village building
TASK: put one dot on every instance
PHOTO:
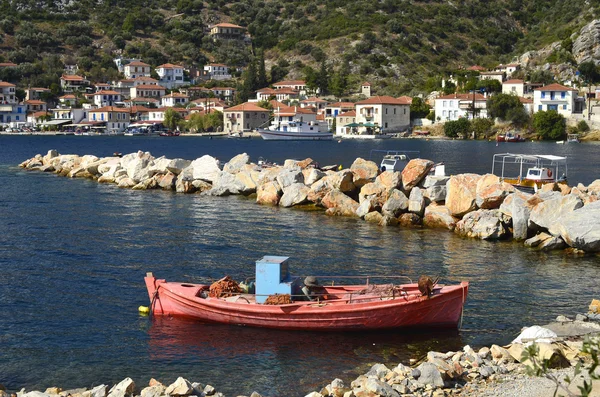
(116, 119)
(225, 93)
(282, 116)
(170, 75)
(296, 85)
(342, 121)
(245, 117)
(317, 103)
(70, 83)
(32, 93)
(141, 101)
(106, 98)
(159, 114)
(68, 100)
(509, 69)
(333, 109)
(147, 91)
(383, 113)
(68, 115)
(227, 31)
(174, 99)
(136, 69)
(217, 71)
(498, 76)
(564, 100)
(36, 118)
(365, 89)
(514, 87)
(35, 105)
(139, 113)
(454, 106)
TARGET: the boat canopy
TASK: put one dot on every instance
(559, 163)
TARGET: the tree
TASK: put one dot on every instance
(262, 72)
(453, 129)
(549, 125)
(589, 72)
(481, 127)
(500, 105)
(323, 78)
(418, 108)
(449, 88)
(541, 76)
(172, 119)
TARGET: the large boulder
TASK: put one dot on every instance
(491, 195)
(167, 181)
(439, 216)
(462, 194)
(579, 229)
(318, 190)
(483, 224)
(92, 168)
(365, 207)
(416, 201)
(181, 387)
(52, 153)
(248, 176)
(342, 180)
(311, 175)
(294, 194)
(390, 179)
(287, 177)
(124, 388)
(137, 165)
(343, 204)
(268, 193)
(414, 172)
(516, 206)
(546, 214)
(430, 375)
(234, 165)
(396, 204)
(227, 183)
(364, 171)
(206, 168)
(375, 191)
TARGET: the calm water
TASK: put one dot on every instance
(73, 254)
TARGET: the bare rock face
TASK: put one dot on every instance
(364, 171)
(248, 176)
(579, 229)
(438, 216)
(181, 387)
(206, 168)
(546, 214)
(167, 181)
(414, 172)
(234, 165)
(295, 194)
(343, 204)
(390, 179)
(587, 45)
(492, 196)
(462, 194)
(396, 204)
(483, 224)
(269, 193)
(365, 207)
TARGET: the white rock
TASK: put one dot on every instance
(181, 387)
(124, 388)
(206, 168)
(535, 333)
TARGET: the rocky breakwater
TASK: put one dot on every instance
(471, 205)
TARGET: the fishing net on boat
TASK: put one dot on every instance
(224, 288)
(382, 291)
(278, 299)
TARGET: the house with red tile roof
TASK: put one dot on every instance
(174, 99)
(227, 31)
(513, 87)
(170, 75)
(245, 117)
(70, 83)
(147, 91)
(116, 119)
(564, 100)
(314, 102)
(333, 109)
(342, 122)
(136, 69)
(106, 98)
(217, 71)
(382, 114)
(35, 105)
(454, 106)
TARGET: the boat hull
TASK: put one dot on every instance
(443, 309)
(365, 137)
(274, 135)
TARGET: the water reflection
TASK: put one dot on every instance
(322, 356)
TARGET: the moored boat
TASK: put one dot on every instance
(530, 171)
(335, 308)
(296, 130)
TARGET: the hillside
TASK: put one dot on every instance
(400, 46)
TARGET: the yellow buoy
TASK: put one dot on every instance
(340, 167)
(144, 310)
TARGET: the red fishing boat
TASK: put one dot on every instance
(334, 308)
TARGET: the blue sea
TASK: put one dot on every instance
(73, 254)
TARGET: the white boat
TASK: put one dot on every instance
(296, 131)
(573, 138)
(530, 171)
(365, 136)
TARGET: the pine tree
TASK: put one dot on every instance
(262, 72)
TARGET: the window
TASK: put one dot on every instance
(445, 103)
(404, 110)
(564, 107)
(444, 113)
(394, 110)
(540, 107)
(563, 95)
(543, 95)
(385, 110)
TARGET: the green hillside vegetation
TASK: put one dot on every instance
(401, 47)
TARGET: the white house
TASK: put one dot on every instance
(174, 99)
(106, 98)
(217, 71)
(284, 115)
(147, 91)
(170, 75)
(317, 103)
(508, 69)
(297, 85)
(343, 120)
(333, 109)
(383, 113)
(454, 106)
(555, 97)
(225, 93)
(514, 87)
(498, 76)
(136, 69)
(70, 83)
(8, 93)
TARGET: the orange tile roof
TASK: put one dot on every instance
(68, 96)
(72, 78)
(555, 87)
(346, 105)
(168, 66)
(478, 97)
(247, 107)
(137, 63)
(227, 25)
(406, 98)
(525, 100)
(176, 95)
(351, 113)
(383, 100)
(106, 92)
(110, 109)
(35, 102)
(289, 82)
(5, 84)
(314, 99)
(476, 68)
(150, 87)
(515, 81)
(39, 114)
(7, 65)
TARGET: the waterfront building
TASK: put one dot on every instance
(454, 106)
(35, 105)
(116, 119)
(317, 103)
(385, 113)
(32, 93)
(333, 109)
(245, 117)
(342, 120)
(565, 100)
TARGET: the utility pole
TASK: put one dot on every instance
(589, 101)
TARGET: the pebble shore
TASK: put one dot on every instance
(488, 371)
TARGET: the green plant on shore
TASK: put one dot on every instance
(541, 368)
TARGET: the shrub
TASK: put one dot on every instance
(582, 126)
(453, 129)
(481, 127)
(549, 125)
